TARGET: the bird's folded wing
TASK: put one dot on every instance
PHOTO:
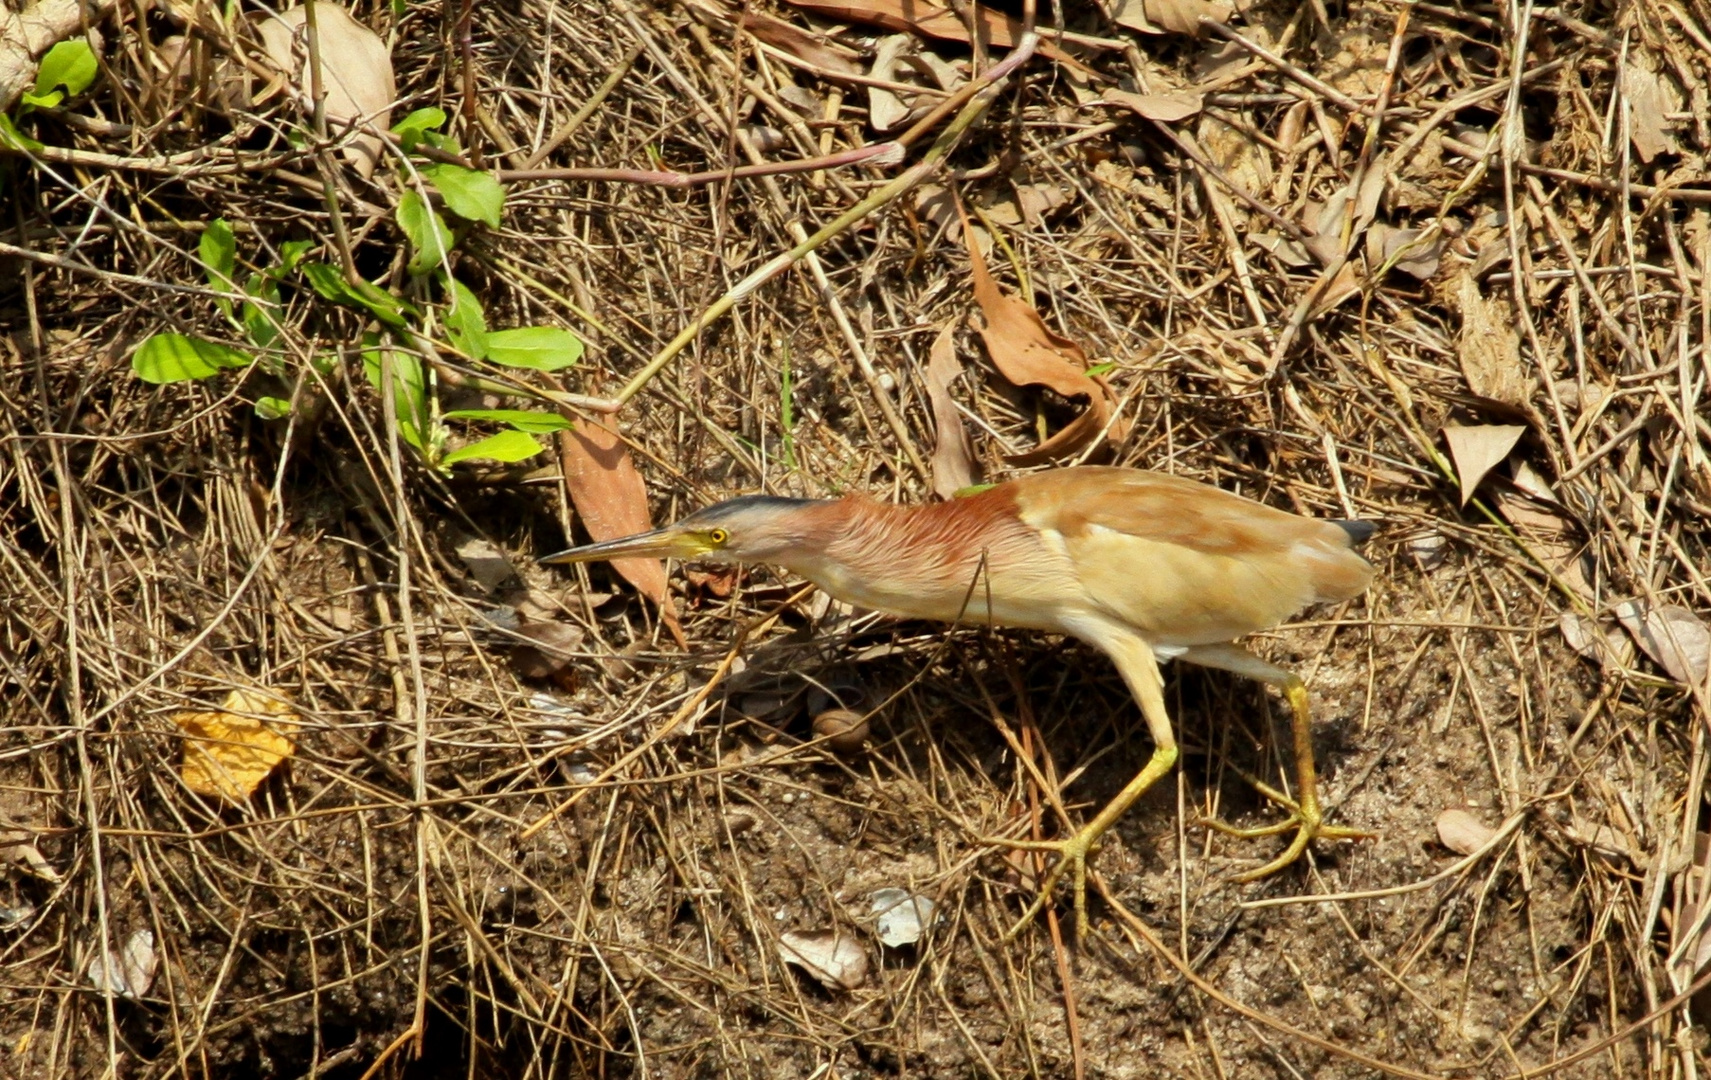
(1188, 563)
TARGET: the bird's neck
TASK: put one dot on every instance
(904, 560)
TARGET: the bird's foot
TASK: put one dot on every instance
(1072, 859)
(1306, 818)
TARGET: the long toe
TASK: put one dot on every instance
(1072, 859)
(1297, 847)
(1308, 828)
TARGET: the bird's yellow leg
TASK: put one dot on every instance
(1306, 816)
(1134, 659)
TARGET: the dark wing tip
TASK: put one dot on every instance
(1359, 531)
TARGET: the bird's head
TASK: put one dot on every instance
(753, 528)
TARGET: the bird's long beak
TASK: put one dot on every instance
(670, 542)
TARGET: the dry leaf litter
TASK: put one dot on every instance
(1287, 249)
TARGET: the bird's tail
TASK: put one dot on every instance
(1359, 531)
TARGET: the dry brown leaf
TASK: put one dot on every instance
(1242, 364)
(1287, 251)
(902, 916)
(1028, 353)
(1568, 562)
(837, 961)
(1478, 449)
(947, 75)
(1527, 479)
(1037, 200)
(19, 846)
(1650, 99)
(130, 974)
(719, 582)
(1490, 350)
(1371, 191)
(1546, 534)
(930, 19)
(810, 48)
(1345, 283)
(885, 110)
(1170, 16)
(612, 500)
(1603, 839)
(1133, 14)
(1418, 260)
(486, 563)
(1165, 108)
(953, 457)
(228, 753)
(1673, 636)
(546, 655)
(1463, 833)
(1528, 518)
(1292, 126)
(1335, 226)
(356, 69)
(1605, 647)
(935, 205)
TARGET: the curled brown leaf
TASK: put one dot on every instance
(953, 457)
(612, 501)
(1165, 108)
(1029, 353)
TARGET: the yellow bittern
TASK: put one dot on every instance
(1141, 565)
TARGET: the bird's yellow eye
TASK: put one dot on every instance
(718, 536)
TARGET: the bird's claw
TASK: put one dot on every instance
(1072, 857)
(1307, 820)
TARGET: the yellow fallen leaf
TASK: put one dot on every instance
(230, 752)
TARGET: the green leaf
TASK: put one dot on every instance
(71, 64)
(325, 279)
(218, 250)
(331, 284)
(272, 408)
(427, 232)
(409, 389)
(292, 252)
(41, 101)
(1101, 369)
(506, 446)
(465, 323)
(540, 348)
(521, 419)
(387, 308)
(469, 193)
(448, 143)
(170, 358)
(13, 139)
(414, 127)
(261, 318)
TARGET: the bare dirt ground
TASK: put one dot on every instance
(1326, 265)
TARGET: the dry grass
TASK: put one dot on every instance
(161, 545)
